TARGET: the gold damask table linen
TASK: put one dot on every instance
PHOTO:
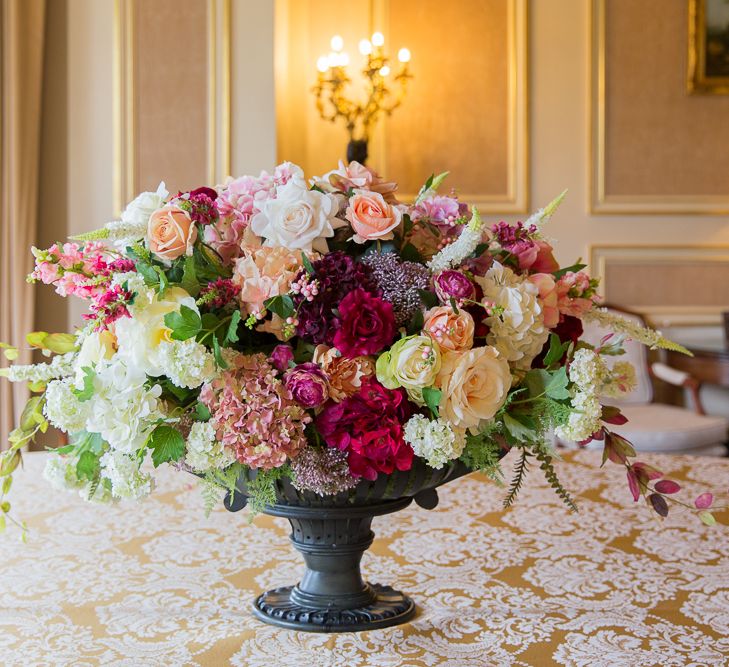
(159, 584)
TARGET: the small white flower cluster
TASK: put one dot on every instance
(63, 408)
(127, 480)
(62, 476)
(187, 363)
(516, 324)
(204, 452)
(61, 366)
(434, 440)
(454, 253)
(588, 370)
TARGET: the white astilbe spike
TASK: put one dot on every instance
(544, 214)
(621, 325)
(454, 253)
(61, 366)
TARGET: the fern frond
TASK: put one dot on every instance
(550, 474)
(520, 472)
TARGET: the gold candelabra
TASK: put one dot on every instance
(384, 90)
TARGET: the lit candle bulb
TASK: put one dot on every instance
(333, 59)
(322, 64)
(378, 39)
(365, 47)
(403, 55)
(337, 43)
(384, 70)
(343, 59)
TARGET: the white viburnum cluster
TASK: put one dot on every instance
(127, 480)
(204, 452)
(434, 440)
(62, 476)
(187, 363)
(123, 410)
(455, 253)
(61, 366)
(516, 324)
(63, 408)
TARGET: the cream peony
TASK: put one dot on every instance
(453, 331)
(474, 385)
(412, 363)
(298, 218)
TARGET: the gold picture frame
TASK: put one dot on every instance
(708, 55)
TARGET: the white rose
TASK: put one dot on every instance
(412, 363)
(97, 345)
(474, 385)
(139, 336)
(139, 210)
(298, 218)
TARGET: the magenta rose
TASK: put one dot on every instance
(367, 324)
(308, 384)
(281, 356)
(450, 284)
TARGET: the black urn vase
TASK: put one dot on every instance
(332, 533)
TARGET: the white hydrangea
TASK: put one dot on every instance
(61, 366)
(187, 363)
(127, 480)
(434, 440)
(62, 475)
(584, 421)
(204, 452)
(123, 410)
(516, 324)
(62, 407)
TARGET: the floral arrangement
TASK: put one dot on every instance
(324, 331)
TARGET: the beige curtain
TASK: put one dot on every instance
(21, 38)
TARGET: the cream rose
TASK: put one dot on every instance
(453, 331)
(345, 373)
(171, 233)
(298, 218)
(474, 385)
(412, 363)
(371, 217)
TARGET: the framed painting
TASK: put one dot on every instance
(708, 55)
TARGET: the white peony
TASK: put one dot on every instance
(434, 440)
(127, 480)
(186, 363)
(298, 218)
(203, 451)
(517, 323)
(140, 335)
(63, 409)
(123, 410)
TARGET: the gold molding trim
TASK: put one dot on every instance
(662, 315)
(516, 199)
(697, 83)
(124, 106)
(600, 201)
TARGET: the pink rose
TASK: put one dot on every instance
(308, 385)
(367, 324)
(371, 217)
(548, 296)
(535, 255)
(451, 331)
(453, 284)
(357, 176)
(171, 233)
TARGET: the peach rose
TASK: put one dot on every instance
(452, 331)
(345, 373)
(371, 216)
(474, 385)
(548, 296)
(171, 233)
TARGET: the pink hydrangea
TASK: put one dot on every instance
(254, 414)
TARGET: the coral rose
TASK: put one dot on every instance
(171, 233)
(371, 217)
(453, 331)
(345, 374)
(474, 385)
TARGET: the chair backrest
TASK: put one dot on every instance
(635, 353)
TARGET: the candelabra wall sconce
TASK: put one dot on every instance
(384, 90)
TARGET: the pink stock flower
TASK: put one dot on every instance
(254, 413)
(576, 294)
(109, 307)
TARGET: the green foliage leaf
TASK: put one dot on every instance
(164, 282)
(9, 461)
(429, 299)
(707, 518)
(184, 324)
(87, 466)
(88, 391)
(7, 483)
(557, 386)
(432, 397)
(202, 413)
(520, 471)
(189, 280)
(167, 444)
(574, 269)
(217, 352)
(282, 305)
(9, 351)
(410, 253)
(519, 431)
(60, 343)
(307, 264)
(231, 335)
(415, 325)
(556, 350)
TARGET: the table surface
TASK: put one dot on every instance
(159, 584)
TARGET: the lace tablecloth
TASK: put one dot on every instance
(159, 584)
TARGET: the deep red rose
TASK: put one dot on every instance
(207, 192)
(367, 324)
